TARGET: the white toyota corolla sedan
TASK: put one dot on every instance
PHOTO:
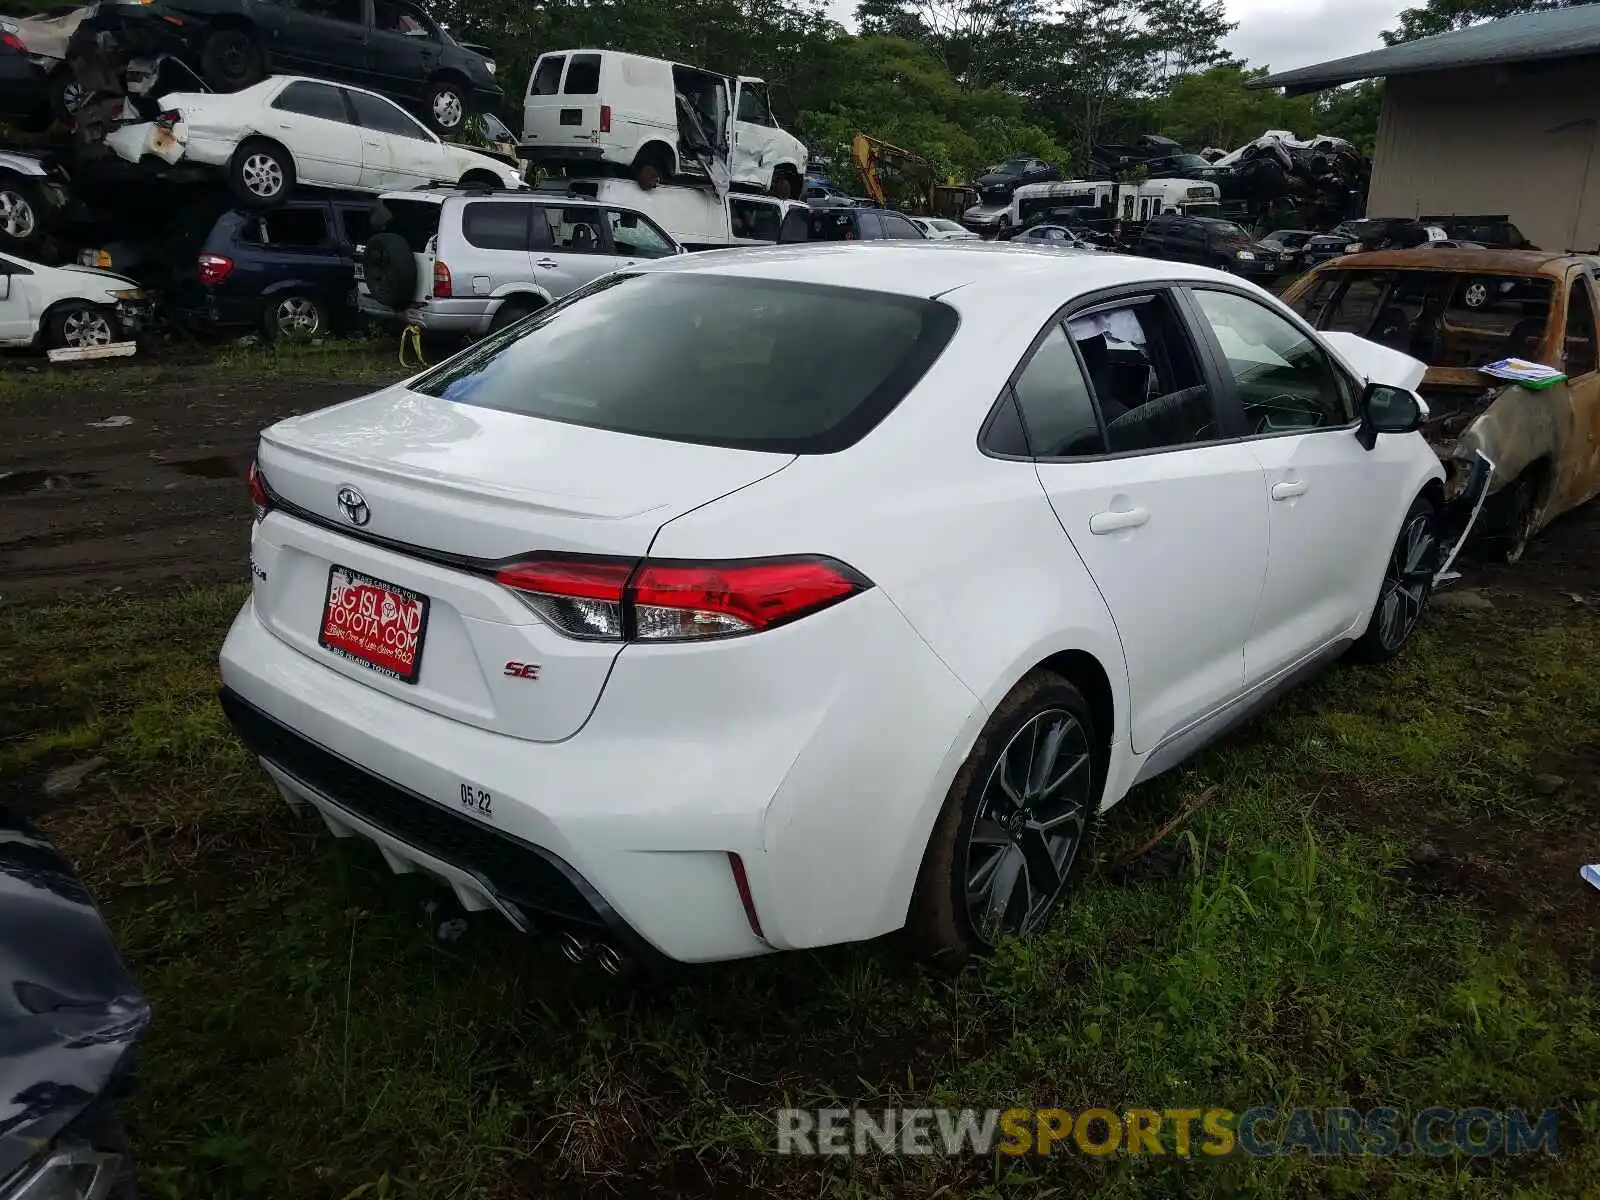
(766, 599)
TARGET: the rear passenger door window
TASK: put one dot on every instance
(1145, 376)
(308, 99)
(868, 227)
(1053, 398)
(296, 229)
(496, 226)
(1285, 381)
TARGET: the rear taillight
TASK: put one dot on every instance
(259, 496)
(169, 118)
(214, 268)
(612, 599)
(441, 281)
(605, 118)
(582, 597)
(12, 40)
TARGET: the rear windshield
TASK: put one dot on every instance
(414, 220)
(748, 363)
(1444, 318)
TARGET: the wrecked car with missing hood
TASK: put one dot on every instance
(71, 1017)
(1459, 311)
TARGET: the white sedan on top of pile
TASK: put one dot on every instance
(287, 129)
(763, 599)
(941, 229)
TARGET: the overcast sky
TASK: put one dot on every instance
(1279, 33)
(1283, 34)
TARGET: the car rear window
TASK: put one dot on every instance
(414, 220)
(1445, 318)
(751, 364)
(546, 79)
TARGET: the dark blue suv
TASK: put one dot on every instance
(288, 272)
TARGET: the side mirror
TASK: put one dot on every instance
(1386, 409)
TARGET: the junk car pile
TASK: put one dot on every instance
(232, 157)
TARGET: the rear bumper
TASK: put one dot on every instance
(534, 152)
(771, 748)
(462, 317)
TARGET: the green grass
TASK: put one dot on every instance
(314, 1038)
(330, 360)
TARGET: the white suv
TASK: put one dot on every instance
(462, 264)
(764, 599)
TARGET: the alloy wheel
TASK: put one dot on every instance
(73, 97)
(1407, 581)
(447, 109)
(17, 218)
(1030, 824)
(1477, 295)
(263, 175)
(297, 316)
(85, 327)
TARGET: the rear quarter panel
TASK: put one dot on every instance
(968, 550)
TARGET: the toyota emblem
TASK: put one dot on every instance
(354, 506)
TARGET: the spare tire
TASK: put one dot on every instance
(391, 271)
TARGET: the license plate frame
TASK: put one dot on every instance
(350, 641)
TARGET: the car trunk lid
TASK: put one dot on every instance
(409, 502)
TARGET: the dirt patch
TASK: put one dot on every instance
(151, 503)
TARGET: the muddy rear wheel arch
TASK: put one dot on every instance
(654, 164)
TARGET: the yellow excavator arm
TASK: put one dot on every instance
(869, 152)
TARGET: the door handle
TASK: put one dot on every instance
(1288, 491)
(1112, 522)
(546, 264)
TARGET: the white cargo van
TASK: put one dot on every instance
(696, 217)
(657, 119)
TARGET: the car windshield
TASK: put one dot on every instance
(1445, 318)
(757, 364)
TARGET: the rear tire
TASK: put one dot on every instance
(511, 312)
(261, 173)
(994, 868)
(447, 106)
(1516, 516)
(294, 317)
(22, 214)
(231, 60)
(1406, 588)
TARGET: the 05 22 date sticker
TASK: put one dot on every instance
(478, 800)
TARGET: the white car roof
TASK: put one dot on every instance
(968, 273)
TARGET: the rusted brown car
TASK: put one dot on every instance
(1459, 310)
